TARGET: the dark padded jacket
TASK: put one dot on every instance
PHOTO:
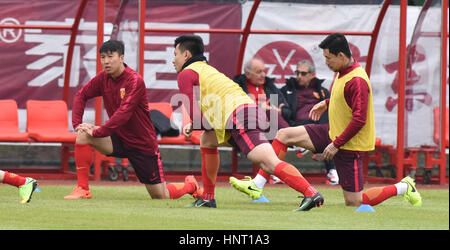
(290, 94)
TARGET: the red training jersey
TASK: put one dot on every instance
(126, 102)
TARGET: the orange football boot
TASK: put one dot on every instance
(78, 193)
(198, 191)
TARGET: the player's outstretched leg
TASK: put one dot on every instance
(265, 157)
(254, 187)
(406, 187)
(25, 185)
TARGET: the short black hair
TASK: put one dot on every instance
(192, 43)
(113, 46)
(336, 43)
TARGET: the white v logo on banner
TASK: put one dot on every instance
(286, 60)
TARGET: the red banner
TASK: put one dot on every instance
(33, 60)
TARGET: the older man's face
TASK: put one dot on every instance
(257, 75)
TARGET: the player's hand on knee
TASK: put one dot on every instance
(329, 152)
(86, 128)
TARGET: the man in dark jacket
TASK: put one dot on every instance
(301, 94)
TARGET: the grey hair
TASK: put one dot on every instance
(249, 64)
(308, 63)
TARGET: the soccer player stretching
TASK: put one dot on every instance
(234, 118)
(351, 129)
(26, 185)
(129, 132)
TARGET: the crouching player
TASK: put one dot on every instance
(351, 130)
(129, 132)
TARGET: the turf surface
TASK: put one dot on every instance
(129, 207)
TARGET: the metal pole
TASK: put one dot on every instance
(73, 36)
(444, 114)
(245, 34)
(401, 91)
(374, 36)
(98, 100)
(141, 37)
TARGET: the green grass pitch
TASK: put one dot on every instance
(129, 207)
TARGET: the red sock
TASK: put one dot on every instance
(13, 179)
(291, 176)
(264, 174)
(210, 167)
(376, 195)
(279, 148)
(176, 190)
(83, 161)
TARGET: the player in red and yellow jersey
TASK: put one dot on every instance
(351, 129)
(129, 132)
(220, 106)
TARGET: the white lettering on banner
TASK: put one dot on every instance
(48, 44)
(9, 35)
(162, 59)
(280, 61)
(53, 48)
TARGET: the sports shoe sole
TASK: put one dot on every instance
(244, 190)
(308, 203)
(32, 191)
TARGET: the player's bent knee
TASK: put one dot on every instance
(292, 135)
(158, 196)
(353, 199)
(353, 203)
(158, 191)
(82, 138)
(282, 135)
